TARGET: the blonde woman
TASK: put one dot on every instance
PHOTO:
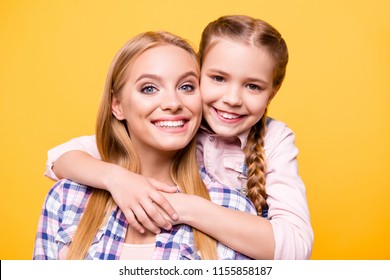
(150, 110)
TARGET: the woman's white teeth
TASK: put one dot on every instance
(228, 115)
(169, 123)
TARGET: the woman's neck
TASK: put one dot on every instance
(157, 167)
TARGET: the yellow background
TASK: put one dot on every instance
(54, 56)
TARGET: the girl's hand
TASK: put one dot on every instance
(182, 203)
(141, 200)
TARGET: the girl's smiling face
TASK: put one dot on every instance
(236, 86)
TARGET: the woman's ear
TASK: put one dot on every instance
(117, 108)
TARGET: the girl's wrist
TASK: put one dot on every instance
(189, 205)
(108, 174)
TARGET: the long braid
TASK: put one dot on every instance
(256, 164)
(251, 32)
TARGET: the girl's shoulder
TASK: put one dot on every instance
(277, 131)
(274, 126)
(279, 138)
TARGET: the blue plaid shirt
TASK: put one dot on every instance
(65, 204)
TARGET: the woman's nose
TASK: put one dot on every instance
(171, 101)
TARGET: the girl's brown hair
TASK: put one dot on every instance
(115, 146)
(251, 32)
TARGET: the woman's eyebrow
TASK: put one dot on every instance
(159, 78)
(149, 76)
(189, 73)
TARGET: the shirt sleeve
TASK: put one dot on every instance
(288, 210)
(45, 247)
(84, 143)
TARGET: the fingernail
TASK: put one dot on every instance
(175, 216)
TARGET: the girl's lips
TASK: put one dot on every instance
(228, 117)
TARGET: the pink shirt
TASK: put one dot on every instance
(223, 159)
(288, 210)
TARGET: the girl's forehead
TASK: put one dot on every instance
(230, 41)
(231, 51)
(234, 45)
(240, 61)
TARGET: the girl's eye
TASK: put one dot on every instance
(253, 87)
(148, 89)
(187, 87)
(219, 79)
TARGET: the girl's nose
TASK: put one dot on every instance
(232, 97)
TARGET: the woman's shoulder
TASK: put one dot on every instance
(69, 194)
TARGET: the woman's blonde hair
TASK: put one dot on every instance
(115, 146)
(252, 32)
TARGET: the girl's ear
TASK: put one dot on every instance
(117, 109)
(273, 93)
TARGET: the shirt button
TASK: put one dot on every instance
(211, 138)
(158, 244)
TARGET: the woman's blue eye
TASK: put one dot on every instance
(148, 89)
(187, 87)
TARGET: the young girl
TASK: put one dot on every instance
(148, 117)
(243, 63)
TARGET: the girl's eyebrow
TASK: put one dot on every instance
(261, 81)
(218, 71)
(159, 78)
(249, 79)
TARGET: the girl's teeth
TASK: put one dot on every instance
(228, 115)
(170, 123)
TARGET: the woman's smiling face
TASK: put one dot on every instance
(160, 101)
